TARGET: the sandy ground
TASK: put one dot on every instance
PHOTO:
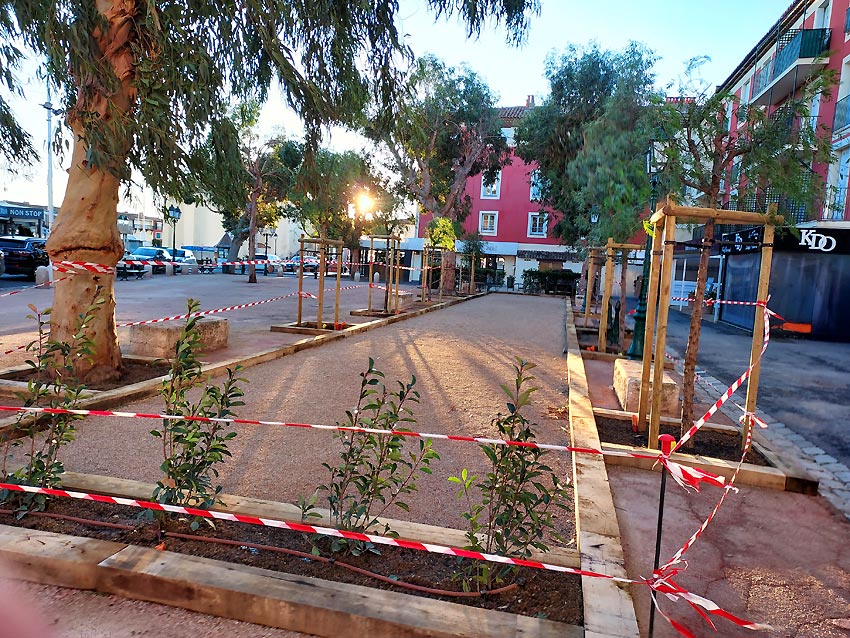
(460, 356)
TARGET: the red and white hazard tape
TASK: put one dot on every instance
(738, 382)
(685, 476)
(204, 313)
(77, 266)
(665, 585)
(46, 284)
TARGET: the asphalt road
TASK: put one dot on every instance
(804, 383)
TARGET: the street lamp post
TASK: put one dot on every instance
(48, 106)
(172, 217)
(652, 162)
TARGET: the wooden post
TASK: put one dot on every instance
(338, 284)
(758, 327)
(300, 277)
(661, 336)
(602, 344)
(321, 293)
(588, 292)
(397, 243)
(423, 271)
(649, 333)
(371, 269)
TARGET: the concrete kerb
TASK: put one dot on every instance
(107, 399)
(608, 607)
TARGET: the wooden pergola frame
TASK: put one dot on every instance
(664, 223)
(593, 258)
(393, 270)
(322, 243)
(610, 247)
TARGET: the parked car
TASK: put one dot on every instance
(153, 253)
(183, 256)
(266, 268)
(2, 263)
(311, 264)
(22, 255)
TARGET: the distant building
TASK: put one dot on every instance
(509, 217)
(811, 273)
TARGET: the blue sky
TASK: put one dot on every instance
(677, 30)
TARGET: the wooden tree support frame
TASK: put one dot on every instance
(428, 256)
(610, 247)
(664, 224)
(322, 243)
(392, 270)
(594, 262)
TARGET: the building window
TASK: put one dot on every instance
(537, 224)
(491, 191)
(535, 184)
(508, 134)
(488, 222)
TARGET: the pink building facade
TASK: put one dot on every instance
(509, 217)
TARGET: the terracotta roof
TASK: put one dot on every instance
(510, 115)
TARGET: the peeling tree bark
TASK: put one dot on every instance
(86, 227)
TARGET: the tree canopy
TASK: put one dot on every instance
(446, 130)
(589, 139)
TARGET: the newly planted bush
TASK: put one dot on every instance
(375, 470)
(52, 384)
(515, 512)
(192, 448)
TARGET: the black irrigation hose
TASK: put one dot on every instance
(364, 572)
(282, 550)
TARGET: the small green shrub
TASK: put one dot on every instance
(375, 470)
(517, 496)
(192, 449)
(53, 384)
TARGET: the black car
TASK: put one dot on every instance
(23, 255)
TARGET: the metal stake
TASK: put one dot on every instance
(666, 443)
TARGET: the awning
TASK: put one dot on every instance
(200, 249)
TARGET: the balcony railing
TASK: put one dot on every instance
(758, 203)
(836, 201)
(842, 114)
(806, 43)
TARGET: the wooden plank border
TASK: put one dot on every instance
(608, 607)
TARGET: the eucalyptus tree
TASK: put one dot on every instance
(767, 159)
(144, 81)
(446, 130)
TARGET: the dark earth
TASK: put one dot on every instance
(550, 595)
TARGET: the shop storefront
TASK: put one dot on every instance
(809, 281)
(18, 219)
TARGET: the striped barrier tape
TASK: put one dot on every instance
(664, 585)
(46, 284)
(77, 266)
(685, 476)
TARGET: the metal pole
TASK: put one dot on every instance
(636, 349)
(300, 277)
(371, 269)
(666, 442)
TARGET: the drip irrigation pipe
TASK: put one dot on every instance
(332, 561)
(282, 550)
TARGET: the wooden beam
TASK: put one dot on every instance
(649, 331)
(758, 327)
(688, 213)
(602, 344)
(661, 333)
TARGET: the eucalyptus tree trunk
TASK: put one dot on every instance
(449, 268)
(86, 228)
(690, 364)
(252, 223)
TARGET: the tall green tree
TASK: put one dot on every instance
(582, 81)
(144, 81)
(447, 129)
(767, 159)
(244, 178)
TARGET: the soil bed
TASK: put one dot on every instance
(542, 594)
(133, 373)
(711, 443)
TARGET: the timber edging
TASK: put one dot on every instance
(608, 607)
